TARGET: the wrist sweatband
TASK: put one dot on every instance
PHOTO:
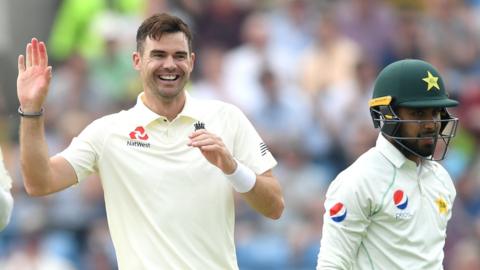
(243, 178)
(29, 115)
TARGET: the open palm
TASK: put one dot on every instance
(34, 76)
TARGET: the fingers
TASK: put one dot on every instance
(43, 54)
(202, 137)
(21, 63)
(36, 54)
(28, 54)
(49, 73)
(200, 142)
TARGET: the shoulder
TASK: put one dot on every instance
(442, 175)
(217, 108)
(371, 171)
(371, 164)
(439, 170)
(110, 120)
(105, 125)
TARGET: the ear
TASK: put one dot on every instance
(192, 56)
(137, 60)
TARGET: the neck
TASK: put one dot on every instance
(167, 107)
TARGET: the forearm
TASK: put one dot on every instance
(6, 206)
(34, 156)
(266, 196)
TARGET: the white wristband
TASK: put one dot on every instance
(243, 178)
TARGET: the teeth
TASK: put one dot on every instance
(168, 77)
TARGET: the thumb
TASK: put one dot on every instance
(48, 73)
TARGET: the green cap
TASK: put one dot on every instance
(410, 83)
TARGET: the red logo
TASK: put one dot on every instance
(139, 134)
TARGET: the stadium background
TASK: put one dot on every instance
(302, 70)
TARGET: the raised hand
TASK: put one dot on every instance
(34, 76)
(213, 149)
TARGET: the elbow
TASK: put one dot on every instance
(277, 211)
(34, 191)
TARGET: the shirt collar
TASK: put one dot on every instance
(192, 108)
(145, 116)
(391, 152)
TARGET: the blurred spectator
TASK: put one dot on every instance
(290, 35)
(465, 256)
(29, 255)
(407, 41)
(369, 23)
(219, 22)
(328, 74)
(210, 84)
(244, 63)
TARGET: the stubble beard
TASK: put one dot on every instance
(414, 145)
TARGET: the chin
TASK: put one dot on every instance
(426, 152)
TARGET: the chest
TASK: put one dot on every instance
(416, 200)
(159, 151)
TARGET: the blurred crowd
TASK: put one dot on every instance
(302, 71)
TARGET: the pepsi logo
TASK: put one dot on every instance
(338, 212)
(400, 199)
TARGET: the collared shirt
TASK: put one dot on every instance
(6, 199)
(167, 206)
(385, 212)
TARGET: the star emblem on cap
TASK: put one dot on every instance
(432, 81)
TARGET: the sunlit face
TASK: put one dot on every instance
(165, 65)
(426, 131)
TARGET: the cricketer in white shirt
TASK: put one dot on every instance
(167, 206)
(385, 212)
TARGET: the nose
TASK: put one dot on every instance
(433, 123)
(169, 63)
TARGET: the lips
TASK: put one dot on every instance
(428, 138)
(168, 77)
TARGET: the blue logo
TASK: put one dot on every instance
(338, 212)
(400, 199)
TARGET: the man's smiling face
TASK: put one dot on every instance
(165, 65)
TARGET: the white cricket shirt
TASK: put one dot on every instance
(384, 212)
(167, 206)
(6, 199)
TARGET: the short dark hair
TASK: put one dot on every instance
(157, 25)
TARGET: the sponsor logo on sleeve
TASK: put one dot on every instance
(442, 205)
(338, 212)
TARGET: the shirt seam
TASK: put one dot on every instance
(368, 256)
(386, 192)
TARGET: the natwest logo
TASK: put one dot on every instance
(139, 134)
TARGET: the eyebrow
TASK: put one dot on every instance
(156, 51)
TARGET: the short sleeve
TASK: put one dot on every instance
(85, 149)
(346, 219)
(248, 146)
(5, 179)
